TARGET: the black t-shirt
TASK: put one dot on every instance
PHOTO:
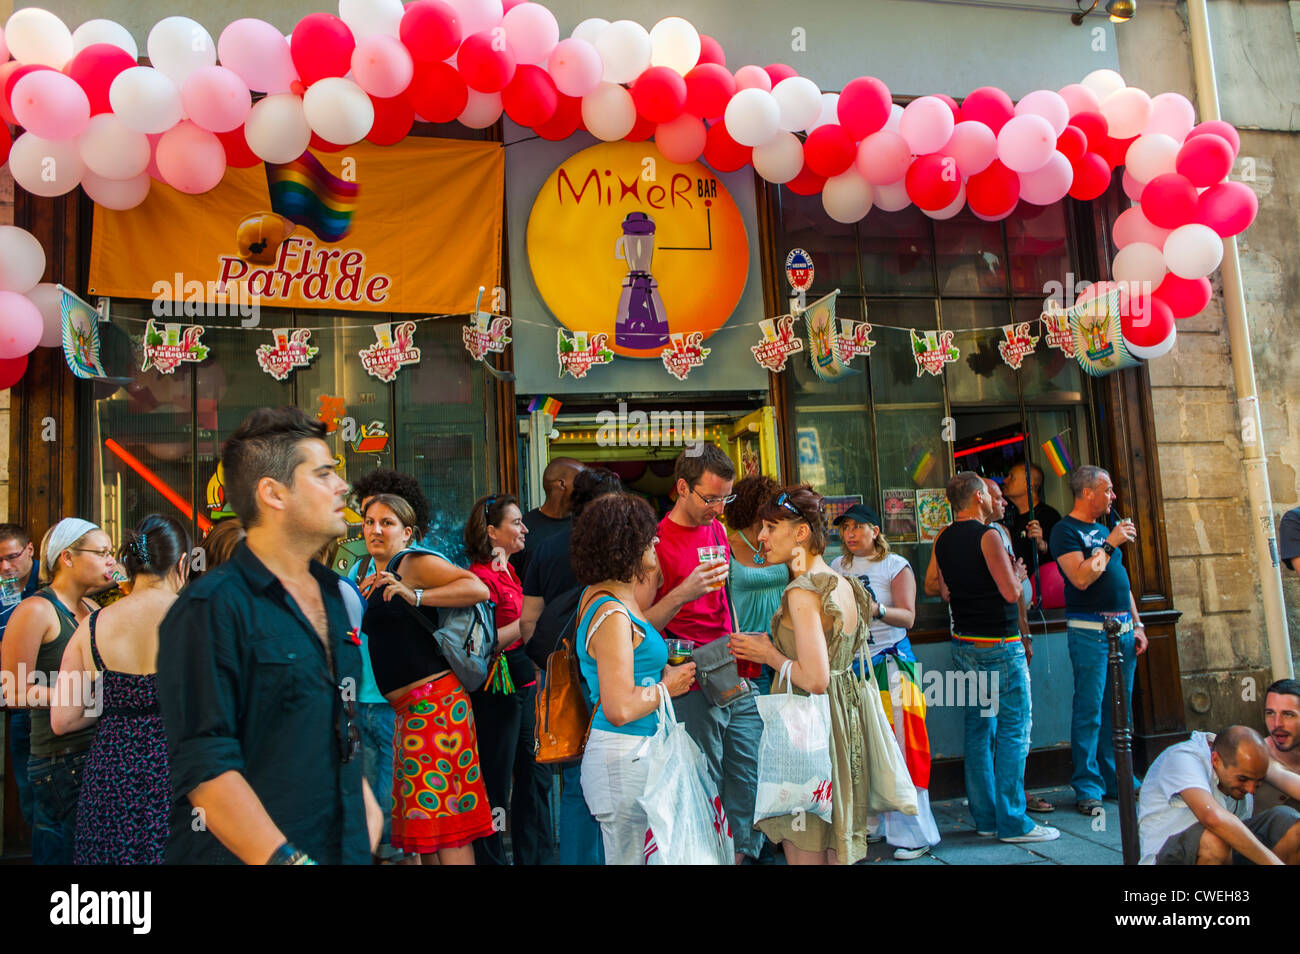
(549, 571)
(1016, 522)
(540, 529)
(978, 608)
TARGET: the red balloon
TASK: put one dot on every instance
(324, 145)
(238, 155)
(829, 150)
(321, 45)
(863, 106)
(1091, 177)
(993, 191)
(1114, 151)
(11, 73)
(531, 98)
(437, 92)
(806, 182)
(565, 121)
(1205, 160)
(1217, 127)
(642, 130)
(5, 143)
(950, 103)
(12, 370)
(932, 182)
(1184, 296)
(95, 68)
(1228, 208)
(988, 105)
(430, 30)
(659, 94)
(1169, 201)
(709, 87)
(484, 67)
(1094, 128)
(394, 118)
(722, 152)
(779, 71)
(1072, 144)
(1144, 320)
(711, 51)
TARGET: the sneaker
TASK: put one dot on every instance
(986, 834)
(876, 838)
(1037, 833)
(910, 854)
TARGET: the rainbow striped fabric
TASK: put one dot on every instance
(306, 193)
(545, 404)
(919, 466)
(912, 736)
(1058, 455)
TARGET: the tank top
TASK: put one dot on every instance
(648, 661)
(978, 608)
(757, 591)
(48, 659)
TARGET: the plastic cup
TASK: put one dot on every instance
(747, 668)
(679, 651)
(710, 555)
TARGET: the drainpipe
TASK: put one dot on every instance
(1259, 498)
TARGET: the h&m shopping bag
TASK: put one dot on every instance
(794, 755)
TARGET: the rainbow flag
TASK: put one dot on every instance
(305, 192)
(1058, 455)
(547, 405)
(910, 731)
(920, 465)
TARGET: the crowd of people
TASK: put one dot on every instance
(277, 701)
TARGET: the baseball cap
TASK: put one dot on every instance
(864, 514)
(1288, 536)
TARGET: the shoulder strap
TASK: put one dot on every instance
(57, 603)
(94, 650)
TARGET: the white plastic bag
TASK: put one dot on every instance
(794, 755)
(687, 823)
(890, 787)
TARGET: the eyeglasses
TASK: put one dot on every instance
(103, 554)
(349, 735)
(713, 501)
(13, 557)
(784, 501)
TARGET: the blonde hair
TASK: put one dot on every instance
(45, 574)
(879, 546)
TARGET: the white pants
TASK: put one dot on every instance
(613, 779)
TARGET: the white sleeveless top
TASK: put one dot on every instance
(879, 575)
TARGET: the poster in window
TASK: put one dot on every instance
(898, 511)
(933, 513)
(835, 508)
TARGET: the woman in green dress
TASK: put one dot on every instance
(820, 626)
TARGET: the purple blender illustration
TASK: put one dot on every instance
(641, 323)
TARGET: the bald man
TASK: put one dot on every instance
(551, 517)
(1196, 806)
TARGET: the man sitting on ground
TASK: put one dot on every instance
(1282, 719)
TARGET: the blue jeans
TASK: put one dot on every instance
(20, 743)
(1091, 726)
(56, 783)
(997, 740)
(377, 722)
(580, 841)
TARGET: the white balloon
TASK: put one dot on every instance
(1154, 351)
(276, 128)
(45, 167)
(338, 110)
(48, 301)
(1138, 263)
(481, 110)
(829, 111)
(477, 15)
(1171, 114)
(752, 117)
(608, 112)
(589, 29)
(368, 17)
(146, 100)
(1126, 112)
(894, 122)
(624, 48)
(115, 194)
(1048, 104)
(893, 197)
(1191, 251)
(847, 197)
(113, 150)
(951, 209)
(4, 49)
(674, 43)
(178, 46)
(780, 159)
(37, 36)
(1103, 82)
(1153, 154)
(22, 260)
(800, 102)
(104, 31)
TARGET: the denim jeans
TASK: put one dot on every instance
(1091, 725)
(996, 744)
(377, 722)
(56, 783)
(20, 743)
(580, 841)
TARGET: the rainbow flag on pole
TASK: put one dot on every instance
(920, 465)
(1058, 455)
(305, 192)
(545, 404)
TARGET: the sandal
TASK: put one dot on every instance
(1036, 803)
(1088, 806)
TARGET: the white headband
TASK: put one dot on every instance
(65, 533)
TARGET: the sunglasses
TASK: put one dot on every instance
(784, 501)
(349, 736)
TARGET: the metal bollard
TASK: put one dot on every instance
(1122, 736)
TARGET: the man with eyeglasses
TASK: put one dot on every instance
(692, 605)
(19, 579)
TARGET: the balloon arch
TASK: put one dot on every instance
(92, 117)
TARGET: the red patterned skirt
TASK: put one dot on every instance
(438, 796)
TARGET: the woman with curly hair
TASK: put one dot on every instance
(622, 657)
(756, 584)
(821, 626)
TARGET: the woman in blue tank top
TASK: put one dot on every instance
(622, 658)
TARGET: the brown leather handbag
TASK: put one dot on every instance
(563, 717)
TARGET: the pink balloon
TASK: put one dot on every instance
(1050, 183)
(990, 106)
(1132, 226)
(1169, 201)
(1079, 99)
(1217, 127)
(120, 194)
(753, 77)
(190, 159)
(382, 66)
(259, 54)
(1205, 160)
(576, 67)
(1026, 143)
(216, 99)
(864, 107)
(47, 299)
(50, 105)
(1184, 296)
(883, 157)
(20, 325)
(1228, 208)
(973, 145)
(1051, 106)
(1132, 188)
(683, 139)
(1171, 114)
(927, 124)
(531, 31)
(892, 196)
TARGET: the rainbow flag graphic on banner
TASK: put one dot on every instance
(1058, 455)
(305, 192)
(545, 404)
(920, 465)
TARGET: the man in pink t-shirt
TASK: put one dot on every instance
(692, 604)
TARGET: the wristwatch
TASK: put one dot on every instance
(1108, 548)
(419, 595)
(881, 609)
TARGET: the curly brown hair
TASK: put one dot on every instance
(609, 538)
(751, 493)
(799, 502)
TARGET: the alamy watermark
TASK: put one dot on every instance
(654, 429)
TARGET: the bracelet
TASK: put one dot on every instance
(419, 595)
(287, 854)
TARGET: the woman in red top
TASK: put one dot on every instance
(494, 531)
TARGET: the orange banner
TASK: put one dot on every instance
(414, 227)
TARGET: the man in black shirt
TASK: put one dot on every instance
(553, 516)
(257, 671)
(1030, 532)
